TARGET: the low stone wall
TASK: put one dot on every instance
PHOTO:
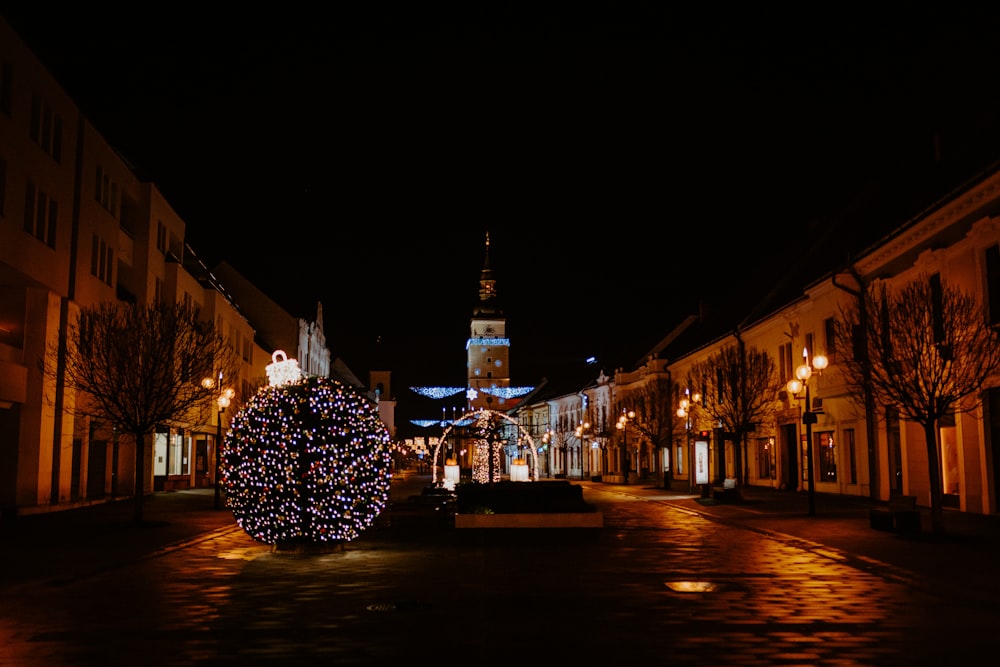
(540, 504)
(543, 497)
(531, 520)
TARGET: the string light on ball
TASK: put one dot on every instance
(307, 460)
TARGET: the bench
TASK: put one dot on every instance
(900, 515)
(727, 493)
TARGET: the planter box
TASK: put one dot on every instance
(531, 520)
(545, 497)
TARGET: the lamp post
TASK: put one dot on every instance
(222, 401)
(684, 412)
(581, 435)
(546, 441)
(794, 386)
(566, 454)
(622, 426)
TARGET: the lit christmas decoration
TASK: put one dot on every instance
(437, 392)
(481, 462)
(282, 370)
(425, 423)
(307, 462)
(487, 443)
(506, 392)
(492, 341)
(471, 393)
(488, 448)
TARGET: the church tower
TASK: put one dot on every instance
(488, 347)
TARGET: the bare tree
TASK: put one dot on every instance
(929, 351)
(739, 387)
(653, 418)
(862, 391)
(138, 366)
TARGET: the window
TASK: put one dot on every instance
(106, 191)
(948, 455)
(3, 186)
(6, 87)
(765, 458)
(937, 308)
(827, 456)
(40, 215)
(170, 452)
(161, 237)
(830, 333)
(993, 284)
(46, 128)
(785, 362)
(805, 458)
(158, 291)
(101, 260)
(849, 451)
(895, 445)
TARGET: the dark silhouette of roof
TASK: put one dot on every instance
(869, 219)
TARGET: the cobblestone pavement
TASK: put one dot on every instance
(660, 582)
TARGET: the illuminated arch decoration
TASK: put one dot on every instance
(307, 462)
(480, 458)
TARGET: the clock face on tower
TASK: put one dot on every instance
(489, 329)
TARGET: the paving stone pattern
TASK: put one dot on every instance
(431, 595)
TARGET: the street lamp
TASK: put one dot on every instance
(622, 426)
(581, 435)
(222, 401)
(794, 386)
(684, 412)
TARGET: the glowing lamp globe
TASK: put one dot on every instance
(307, 462)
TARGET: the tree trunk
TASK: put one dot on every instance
(934, 477)
(140, 475)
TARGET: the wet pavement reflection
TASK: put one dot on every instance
(657, 583)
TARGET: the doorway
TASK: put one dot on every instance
(789, 457)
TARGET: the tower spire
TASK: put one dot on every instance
(488, 348)
(487, 287)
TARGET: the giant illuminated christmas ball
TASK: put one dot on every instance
(307, 462)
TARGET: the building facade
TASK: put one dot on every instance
(841, 448)
(78, 228)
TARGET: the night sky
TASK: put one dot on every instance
(625, 165)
